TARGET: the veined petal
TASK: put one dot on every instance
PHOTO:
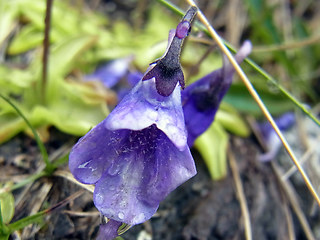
(143, 106)
(147, 170)
(93, 153)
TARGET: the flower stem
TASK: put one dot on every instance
(24, 182)
(46, 46)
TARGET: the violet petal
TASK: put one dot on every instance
(147, 169)
(87, 159)
(143, 106)
(111, 73)
(201, 99)
(272, 140)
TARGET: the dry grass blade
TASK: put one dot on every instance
(240, 194)
(291, 233)
(256, 97)
(306, 156)
(287, 46)
(38, 200)
(67, 175)
(290, 193)
(82, 214)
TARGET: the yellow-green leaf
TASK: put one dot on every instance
(212, 145)
(7, 206)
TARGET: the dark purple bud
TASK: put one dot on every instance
(183, 29)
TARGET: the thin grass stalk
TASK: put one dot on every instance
(42, 148)
(240, 194)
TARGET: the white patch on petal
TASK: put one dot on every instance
(120, 215)
(99, 198)
(139, 218)
(84, 165)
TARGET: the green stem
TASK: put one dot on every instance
(172, 7)
(45, 157)
(26, 181)
(36, 218)
(267, 76)
(61, 160)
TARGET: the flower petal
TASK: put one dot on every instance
(201, 99)
(109, 230)
(111, 73)
(147, 170)
(143, 106)
(88, 158)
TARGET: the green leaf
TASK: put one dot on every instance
(14, 81)
(29, 37)
(212, 145)
(74, 109)
(73, 118)
(4, 236)
(63, 58)
(240, 99)
(230, 120)
(7, 20)
(10, 125)
(64, 55)
(7, 206)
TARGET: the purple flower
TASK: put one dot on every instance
(136, 156)
(139, 153)
(132, 79)
(272, 140)
(201, 99)
(111, 73)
